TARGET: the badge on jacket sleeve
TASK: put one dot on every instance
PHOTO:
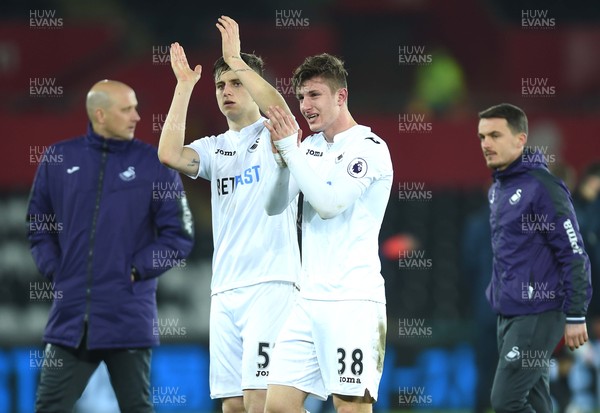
(357, 168)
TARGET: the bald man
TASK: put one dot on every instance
(97, 221)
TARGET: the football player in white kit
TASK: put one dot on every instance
(256, 260)
(334, 340)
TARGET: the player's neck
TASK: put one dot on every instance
(344, 122)
(239, 123)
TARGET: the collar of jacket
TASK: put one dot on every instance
(528, 160)
(98, 142)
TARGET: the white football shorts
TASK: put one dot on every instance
(244, 323)
(331, 347)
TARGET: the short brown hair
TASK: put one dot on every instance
(324, 65)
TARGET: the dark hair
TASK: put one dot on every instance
(329, 67)
(255, 62)
(515, 117)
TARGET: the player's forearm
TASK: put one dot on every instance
(327, 200)
(46, 255)
(566, 244)
(45, 247)
(172, 137)
(173, 241)
(577, 286)
(261, 91)
(277, 192)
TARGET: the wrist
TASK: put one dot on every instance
(236, 63)
(574, 319)
(287, 145)
(279, 160)
(185, 87)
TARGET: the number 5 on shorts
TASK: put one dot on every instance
(264, 354)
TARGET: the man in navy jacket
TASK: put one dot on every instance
(103, 213)
(541, 273)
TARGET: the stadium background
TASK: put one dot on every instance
(419, 70)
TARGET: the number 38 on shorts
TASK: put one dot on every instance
(356, 365)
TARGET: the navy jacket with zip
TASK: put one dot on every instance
(539, 259)
(99, 207)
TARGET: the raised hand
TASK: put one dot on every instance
(281, 124)
(230, 38)
(181, 67)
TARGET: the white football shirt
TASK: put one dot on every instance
(340, 252)
(249, 246)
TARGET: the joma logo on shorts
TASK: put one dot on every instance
(262, 373)
(349, 380)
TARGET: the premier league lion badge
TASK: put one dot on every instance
(357, 168)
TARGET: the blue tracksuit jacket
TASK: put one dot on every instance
(99, 207)
(539, 259)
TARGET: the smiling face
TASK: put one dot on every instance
(234, 100)
(500, 145)
(320, 105)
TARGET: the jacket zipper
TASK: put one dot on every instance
(88, 291)
(496, 198)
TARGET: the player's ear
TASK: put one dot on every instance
(99, 115)
(342, 96)
(522, 139)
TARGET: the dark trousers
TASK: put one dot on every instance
(66, 372)
(486, 359)
(525, 345)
